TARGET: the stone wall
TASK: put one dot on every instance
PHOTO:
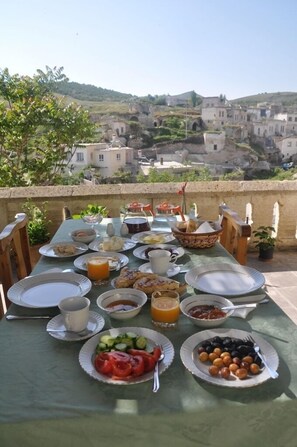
(261, 195)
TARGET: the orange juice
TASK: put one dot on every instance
(165, 308)
(98, 268)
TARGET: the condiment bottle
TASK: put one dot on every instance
(110, 231)
(124, 230)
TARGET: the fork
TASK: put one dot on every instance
(273, 374)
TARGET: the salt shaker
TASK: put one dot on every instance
(110, 231)
(124, 230)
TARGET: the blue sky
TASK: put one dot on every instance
(234, 47)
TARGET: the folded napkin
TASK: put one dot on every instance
(243, 313)
(205, 227)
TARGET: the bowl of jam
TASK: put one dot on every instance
(206, 310)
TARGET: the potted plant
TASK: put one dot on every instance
(38, 231)
(92, 209)
(265, 242)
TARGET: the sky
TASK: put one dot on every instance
(232, 47)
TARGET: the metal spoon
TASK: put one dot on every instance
(156, 384)
(240, 306)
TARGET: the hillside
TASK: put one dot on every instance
(92, 96)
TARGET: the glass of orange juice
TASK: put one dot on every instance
(165, 308)
(98, 270)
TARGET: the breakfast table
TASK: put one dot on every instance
(47, 399)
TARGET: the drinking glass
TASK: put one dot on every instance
(92, 219)
(165, 308)
(98, 270)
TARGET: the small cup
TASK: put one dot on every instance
(165, 308)
(75, 311)
(160, 261)
(98, 269)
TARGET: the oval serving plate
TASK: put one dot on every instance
(47, 289)
(50, 250)
(190, 359)
(96, 245)
(86, 354)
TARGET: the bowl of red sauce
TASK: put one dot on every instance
(206, 310)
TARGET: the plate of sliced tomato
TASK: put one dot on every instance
(126, 368)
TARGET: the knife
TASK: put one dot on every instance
(27, 317)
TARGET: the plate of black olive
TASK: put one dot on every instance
(226, 357)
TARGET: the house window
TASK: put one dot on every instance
(295, 119)
(258, 130)
(289, 144)
(290, 118)
(215, 146)
(122, 130)
(101, 157)
(118, 157)
(79, 156)
(282, 128)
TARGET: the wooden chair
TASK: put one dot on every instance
(235, 234)
(15, 262)
(66, 213)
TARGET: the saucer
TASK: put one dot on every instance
(95, 324)
(174, 270)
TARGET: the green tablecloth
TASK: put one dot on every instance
(47, 399)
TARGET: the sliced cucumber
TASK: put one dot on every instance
(121, 347)
(131, 335)
(108, 340)
(140, 342)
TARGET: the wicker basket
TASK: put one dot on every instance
(197, 240)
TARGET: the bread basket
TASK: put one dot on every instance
(198, 240)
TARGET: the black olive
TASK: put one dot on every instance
(215, 345)
(205, 343)
(209, 349)
(217, 339)
(235, 354)
(227, 341)
(243, 349)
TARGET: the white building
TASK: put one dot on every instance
(214, 141)
(291, 122)
(269, 128)
(100, 155)
(214, 116)
(287, 146)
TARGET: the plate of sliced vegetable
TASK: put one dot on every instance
(126, 355)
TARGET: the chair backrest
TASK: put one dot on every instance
(15, 262)
(235, 234)
(66, 213)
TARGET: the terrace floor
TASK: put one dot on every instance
(281, 279)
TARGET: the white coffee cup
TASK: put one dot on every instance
(160, 261)
(75, 311)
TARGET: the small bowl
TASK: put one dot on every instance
(214, 300)
(85, 235)
(111, 296)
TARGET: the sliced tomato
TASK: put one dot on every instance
(121, 368)
(103, 366)
(157, 353)
(137, 363)
(118, 355)
(141, 352)
(149, 363)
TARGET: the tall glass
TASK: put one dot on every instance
(165, 308)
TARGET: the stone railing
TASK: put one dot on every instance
(263, 202)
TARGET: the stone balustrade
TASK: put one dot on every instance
(263, 202)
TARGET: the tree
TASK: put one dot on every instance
(194, 98)
(38, 133)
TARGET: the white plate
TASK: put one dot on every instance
(139, 252)
(97, 245)
(189, 357)
(81, 261)
(95, 324)
(138, 237)
(86, 355)
(174, 269)
(225, 279)
(48, 289)
(48, 249)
